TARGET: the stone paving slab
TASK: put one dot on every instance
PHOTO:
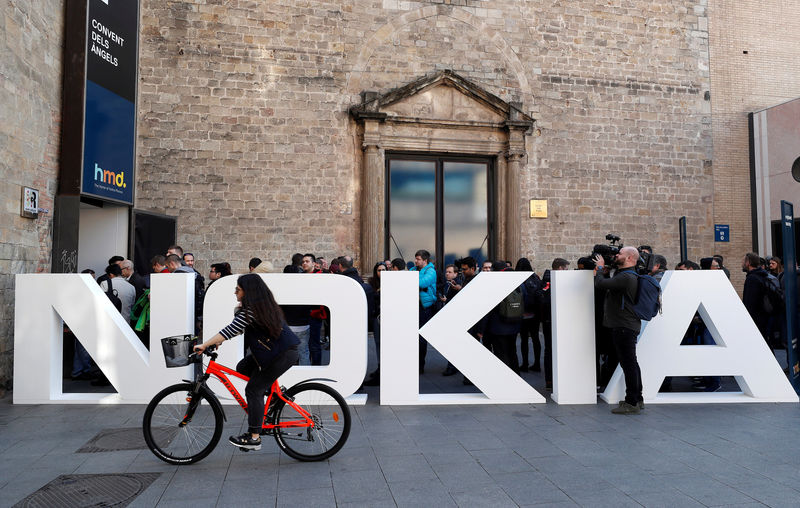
(510, 455)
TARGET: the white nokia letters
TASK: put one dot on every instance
(447, 332)
(740, 351)
(574, 362)
(42, 300)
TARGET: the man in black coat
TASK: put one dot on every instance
(138, 282)
(754, 291)
(619, 317)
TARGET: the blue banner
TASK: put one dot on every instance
(108, 146)
(109, 133)
(790, 286)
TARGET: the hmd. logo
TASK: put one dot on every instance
(109, 177)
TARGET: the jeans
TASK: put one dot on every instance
(530, 328)
(624, 340)
(314, 346)
(260, 382)
(547, 333)
(711, 382)
(425, 315)
(81, 361)
(303, 333)
(376, 336)
(504, 347)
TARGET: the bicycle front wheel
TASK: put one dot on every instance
(331, 422)
(180, 426)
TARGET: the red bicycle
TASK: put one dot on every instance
(183, 423)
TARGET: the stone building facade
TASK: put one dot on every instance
(755, 54)
(264, 126)
(245, 134)
(31, 38)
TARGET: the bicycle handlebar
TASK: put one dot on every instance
(209, 351)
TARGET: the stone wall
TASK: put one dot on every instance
(31, 35)
(244, 133)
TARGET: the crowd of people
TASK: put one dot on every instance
(518, 330)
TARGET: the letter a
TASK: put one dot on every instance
(447, 332)
(740, 351)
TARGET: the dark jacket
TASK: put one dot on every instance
(753, 297)
(297, 315)
(139, 283)
(369, 292)
(620, 295)
(494, 324)
(264, 348)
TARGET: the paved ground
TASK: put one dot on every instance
(543, 454)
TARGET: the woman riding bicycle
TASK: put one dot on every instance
(271, 346)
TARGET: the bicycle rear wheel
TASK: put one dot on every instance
(174, 441)
(331, 417)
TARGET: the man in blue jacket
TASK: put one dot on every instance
(427, 297)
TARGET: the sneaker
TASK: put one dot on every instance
(450, 371)
(246, 441)
(639, 404)
(626, 409)
(523, 367)
(535, 367)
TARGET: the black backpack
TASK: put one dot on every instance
(512, 307)
(773, 302)
(112, 295)
(648, 298)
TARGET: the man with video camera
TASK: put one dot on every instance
(624, 324)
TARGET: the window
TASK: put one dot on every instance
(440, 204)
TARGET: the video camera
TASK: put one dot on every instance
(609, 251)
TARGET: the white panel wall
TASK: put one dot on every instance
(103, 233)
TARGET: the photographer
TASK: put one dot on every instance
(618, 316)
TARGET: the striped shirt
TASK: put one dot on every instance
(239, 323)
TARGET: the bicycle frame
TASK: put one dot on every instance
(220, 372)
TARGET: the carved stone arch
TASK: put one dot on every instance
(441, 113)
(384, 34)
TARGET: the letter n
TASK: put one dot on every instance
(43, 300)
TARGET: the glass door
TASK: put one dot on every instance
(440, 204)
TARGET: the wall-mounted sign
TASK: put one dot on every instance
(29, 206)
(722, 233)
(110, 107)
(538, 208)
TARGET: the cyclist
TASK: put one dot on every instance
(271, 346)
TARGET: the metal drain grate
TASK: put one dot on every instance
(81, 490)
(113, 440)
